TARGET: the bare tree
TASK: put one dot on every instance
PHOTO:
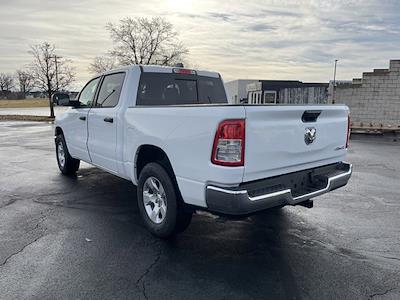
(25, 81)
(51, 73)
(101, 64)
(146, 41)
(6, 82)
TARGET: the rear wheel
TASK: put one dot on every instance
(159, 202)
(66, 163)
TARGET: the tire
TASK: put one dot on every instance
(159, 202)
(66, 163)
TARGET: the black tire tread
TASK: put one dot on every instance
(177, 220)
(71, 164)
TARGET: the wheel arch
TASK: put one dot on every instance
(58, 131)
(150, 153)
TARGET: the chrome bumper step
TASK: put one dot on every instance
(238, 201)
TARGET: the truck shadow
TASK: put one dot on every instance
(245, 258)
(91, 189)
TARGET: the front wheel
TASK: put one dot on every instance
(158, 201)
(66, 163)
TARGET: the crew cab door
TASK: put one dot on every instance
(75, 129)
(103, 123)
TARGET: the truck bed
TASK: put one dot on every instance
(274, 143)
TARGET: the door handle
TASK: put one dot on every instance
(83, 118)
(109, 120)
(310, 116)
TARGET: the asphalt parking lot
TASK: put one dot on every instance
(82, 237)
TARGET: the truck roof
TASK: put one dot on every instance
(161, 69)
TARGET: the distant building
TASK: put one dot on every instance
(39, 94)
(256, 91)
(373, 99)
(36, 94)
(286, 92)
(236, 90)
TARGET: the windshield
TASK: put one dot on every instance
(176, 89)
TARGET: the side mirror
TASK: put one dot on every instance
(73, 103)
(61, 99)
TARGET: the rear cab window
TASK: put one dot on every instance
(179, 89)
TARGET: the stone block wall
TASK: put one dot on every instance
(374, 98)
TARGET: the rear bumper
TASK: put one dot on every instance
(288, 189)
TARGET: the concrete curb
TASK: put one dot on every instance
(26, 118)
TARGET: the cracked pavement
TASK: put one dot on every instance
(346, 247)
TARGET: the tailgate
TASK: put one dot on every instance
(278, 138)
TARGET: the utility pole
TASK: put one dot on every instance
(334, 83)
(56, 63)
(57, 85)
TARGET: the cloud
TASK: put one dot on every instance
(280, 13)
(253, 39)
(221, 16)
(260, 27)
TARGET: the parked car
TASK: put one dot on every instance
(60, 98)
(171, 132)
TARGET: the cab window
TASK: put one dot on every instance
(86, 96)
(178, 89)
(110, 90)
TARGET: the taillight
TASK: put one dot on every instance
(348, 131)
(228, 148)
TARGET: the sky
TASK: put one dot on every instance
(253, 39)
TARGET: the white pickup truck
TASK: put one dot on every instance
(171, 132)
